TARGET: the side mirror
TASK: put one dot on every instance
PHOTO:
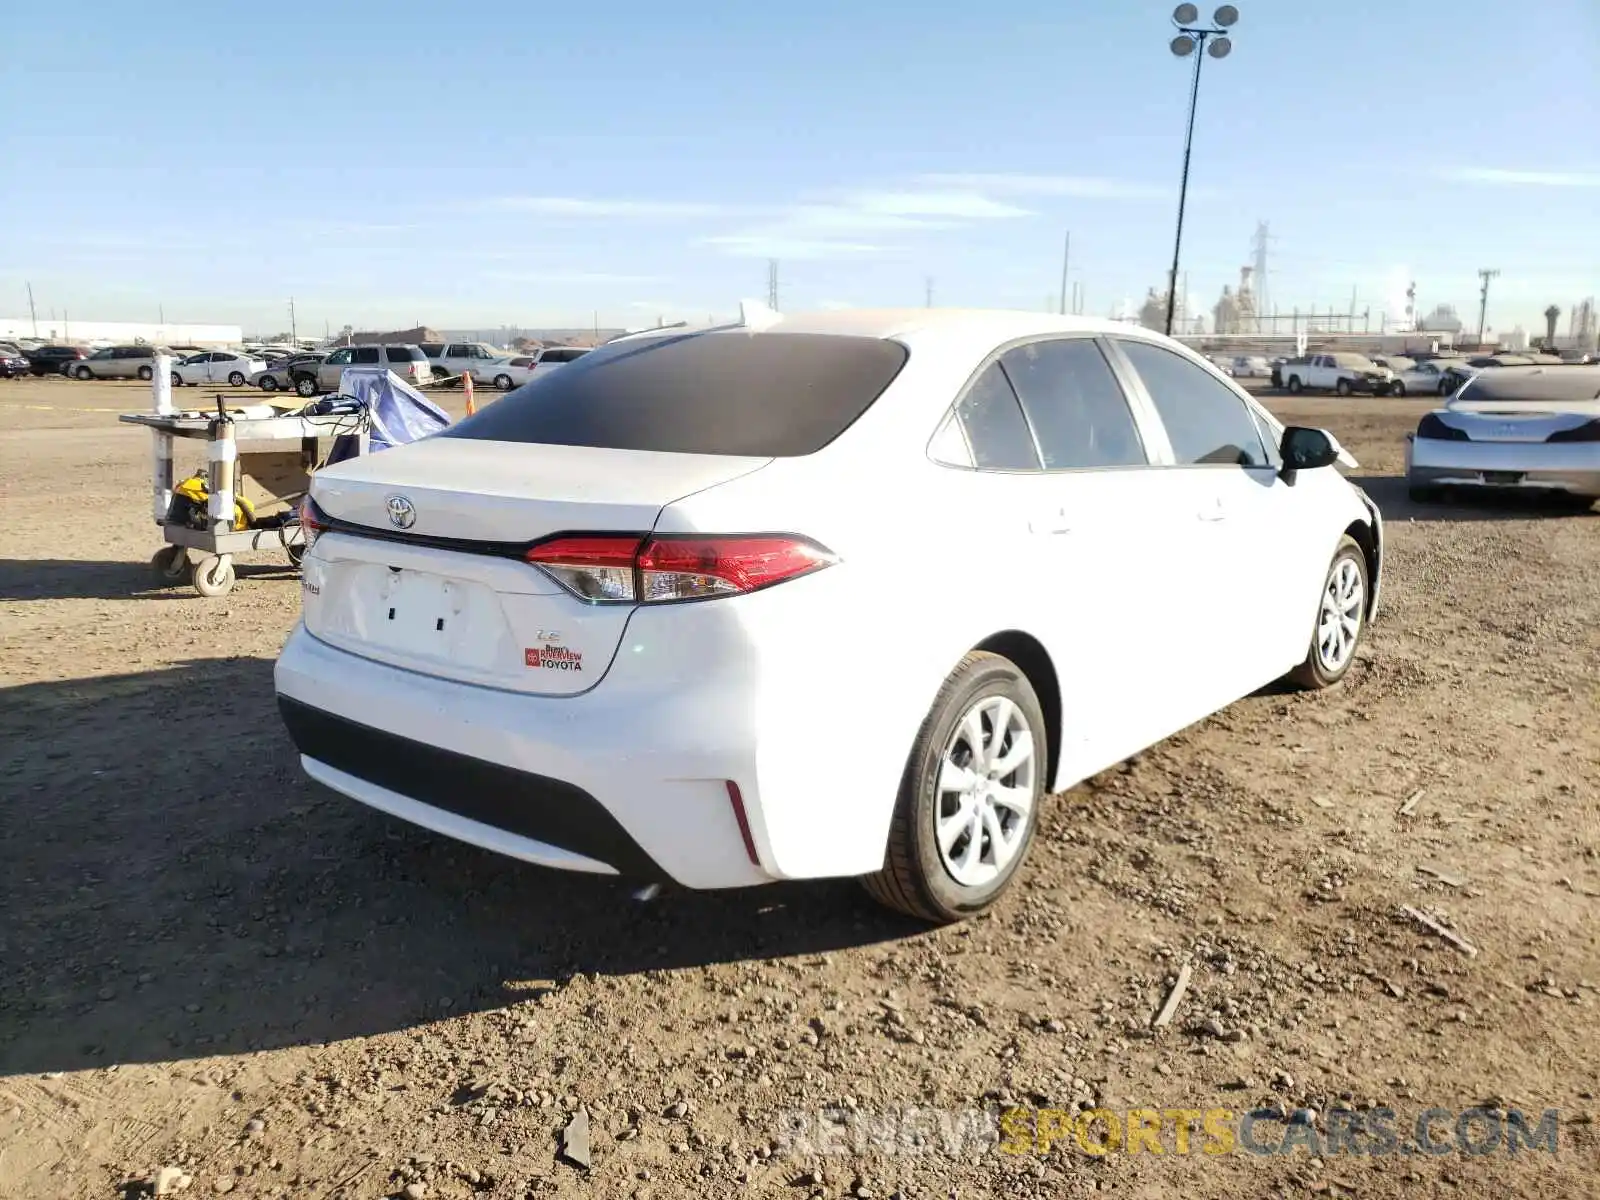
(1307, 449)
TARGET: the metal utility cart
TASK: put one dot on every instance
(267, 471)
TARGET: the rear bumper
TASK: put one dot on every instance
(1533, 466)
(567, 782)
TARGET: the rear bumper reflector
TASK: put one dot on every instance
(737, 800)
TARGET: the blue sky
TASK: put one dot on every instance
(504, 165)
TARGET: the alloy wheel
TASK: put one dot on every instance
(985, 786)
(1339, 623)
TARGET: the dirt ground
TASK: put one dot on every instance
(195, 938)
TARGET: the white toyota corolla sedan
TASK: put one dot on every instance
(848, 593)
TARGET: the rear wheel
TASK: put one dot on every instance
(83, 373)
(177, 380)
(1295, 386)
(235, 379)
(305, 385)
(147, 373)
(269, 383)
(1397, 389)
(1341, 619)
(503, 382)
(1342, 387)
(968, 802)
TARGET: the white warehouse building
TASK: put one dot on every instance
(79, 333)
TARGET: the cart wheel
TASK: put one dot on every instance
(213, 576)
(171, 563)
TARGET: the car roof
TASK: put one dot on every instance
(1562, 384)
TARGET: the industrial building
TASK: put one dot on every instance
(120, 333)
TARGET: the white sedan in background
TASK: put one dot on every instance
(217, 366)
(833, 594)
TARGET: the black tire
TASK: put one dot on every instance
(177, 380)
(83, 374)
(269, 383)
(1295, 386)
(914, 879)
(147, 373)
(1342, 387)
(305, 385)
(503, 382)
(171, 563)
(1444, 388)
(1398, 390)
(1314, 673)
(235, 378)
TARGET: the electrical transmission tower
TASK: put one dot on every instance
(1486, 274)
(772, 284)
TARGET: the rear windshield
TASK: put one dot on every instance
(561, 356)
(763, 395)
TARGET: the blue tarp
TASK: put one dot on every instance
(397, 412)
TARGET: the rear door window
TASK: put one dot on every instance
(401, 354)
(997, 432)
(1079, 415)
(365, 355)
(762, 394)
(1207, 424)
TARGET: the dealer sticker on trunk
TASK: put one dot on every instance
(553, 658)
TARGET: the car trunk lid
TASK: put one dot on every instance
(422, 564)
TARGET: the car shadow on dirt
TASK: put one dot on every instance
(174, 888)
(74, 579)
(1466, 504)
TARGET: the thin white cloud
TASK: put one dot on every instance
(1083, 187)
(1513, 178)
(576, 206)
(570, 277)
(840, 228)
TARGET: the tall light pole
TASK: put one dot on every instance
(1486, 274)
(1196, 41)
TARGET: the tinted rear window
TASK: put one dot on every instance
(403, 353)
(433, 349)
(764, 395)
(561, 356)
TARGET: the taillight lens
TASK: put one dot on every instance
(1433, 428)
(1587, 432)
(624, 568)
(312, 520)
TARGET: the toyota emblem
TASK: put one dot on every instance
(402, 513)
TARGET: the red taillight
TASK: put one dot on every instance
(312, 520)
(660, 569)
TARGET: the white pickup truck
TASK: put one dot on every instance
(484, 363)
(1341, 373)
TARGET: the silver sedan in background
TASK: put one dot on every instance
(1516, 428)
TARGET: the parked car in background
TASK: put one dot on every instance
(660, 546)
(282, 375)
(483, 362)
(1394, 363)
(1518, 428)
(119, 362)
(552, 357)
(408, 362)
(1432, 378)
(216, 366)
(1342, 373)
(54, 360)
(12, 364)
(1250, 366)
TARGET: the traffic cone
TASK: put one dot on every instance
(466, 386)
